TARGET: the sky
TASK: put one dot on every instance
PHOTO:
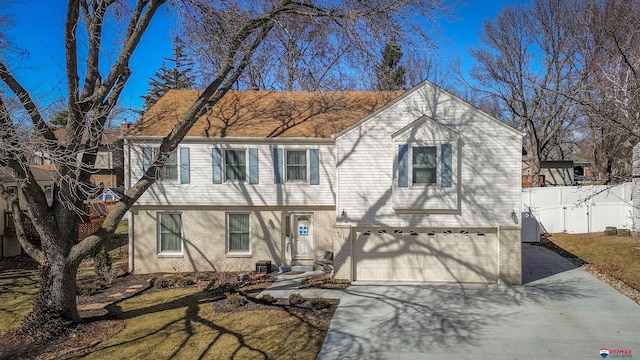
(38, 33)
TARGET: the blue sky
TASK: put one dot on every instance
(40, 30)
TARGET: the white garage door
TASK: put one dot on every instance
(386, 254)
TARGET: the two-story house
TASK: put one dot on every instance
(413, 186)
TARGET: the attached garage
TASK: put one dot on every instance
(438, 255)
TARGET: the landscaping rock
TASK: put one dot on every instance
(611, 231)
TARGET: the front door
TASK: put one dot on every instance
(302, 236)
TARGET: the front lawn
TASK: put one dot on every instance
(183, 323)
(175, 316)
(616, 256)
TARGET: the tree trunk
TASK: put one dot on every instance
(534, 163)
(55, 304)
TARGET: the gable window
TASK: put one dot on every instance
(170, 233)
(296, 165)
(424, 163)
(238, 233)
(235, 164)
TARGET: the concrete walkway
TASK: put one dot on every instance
(286, 285)
(561, 312)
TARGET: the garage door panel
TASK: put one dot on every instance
(427, 256)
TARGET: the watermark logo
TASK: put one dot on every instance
(616, 353)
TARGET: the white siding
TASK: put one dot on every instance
(490, 161)
(201, 191)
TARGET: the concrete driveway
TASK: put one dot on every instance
(561, 312)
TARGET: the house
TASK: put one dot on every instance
(418, 186)
(562, 167)
(108, 169)
(9, 245)
(102, 204)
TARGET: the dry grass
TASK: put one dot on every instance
(616, 256)
(181, 323)
(19, 283)
(18, 286)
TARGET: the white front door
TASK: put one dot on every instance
(302, 236)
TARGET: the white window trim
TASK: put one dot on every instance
(228, 252)
(154, 151)
(159, 236)
(286, 178)
(246, 165)
(438, 167)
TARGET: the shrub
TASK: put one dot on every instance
(235, 300)
(172, 281)
(90, 289)
(296, 299)
(319, 303)
(267, 298)
(183, 281)
(103, 264)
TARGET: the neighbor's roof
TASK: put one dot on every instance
(42, 173)
(263, 114)
(109, 136)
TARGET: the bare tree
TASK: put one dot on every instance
(610, 50)
(228, 34)
(528, 61)
(308, 54)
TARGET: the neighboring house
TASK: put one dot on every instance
(566, 169)
(100, 206)
(424, 188)
(9, 245)
(109, 166)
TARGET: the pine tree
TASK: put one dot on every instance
(178, 76)
(389, 72)
(59, 120)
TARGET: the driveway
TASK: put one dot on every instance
(561, 312)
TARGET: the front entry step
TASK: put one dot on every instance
(287, 268)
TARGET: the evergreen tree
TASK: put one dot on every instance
(59, 120)
(178, 76)
(389, 72)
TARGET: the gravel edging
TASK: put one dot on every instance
(614, 282)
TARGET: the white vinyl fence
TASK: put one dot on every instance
(575, 209)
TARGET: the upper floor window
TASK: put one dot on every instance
(424, 164)
(235, 162)
(296, 165)
(170, 169)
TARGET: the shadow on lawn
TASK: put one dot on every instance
(193, 304)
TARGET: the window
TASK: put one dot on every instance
(170, 169)
(296, 165)
(235, 163)
(424, 165)
(170, 233)
(238, 233)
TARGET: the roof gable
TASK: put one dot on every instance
(432, 93)
(263, 114)
(424, 128)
